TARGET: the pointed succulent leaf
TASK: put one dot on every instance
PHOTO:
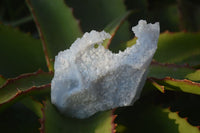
(181, 47)
(178, 47)
(143, 118)
(19, 52)
(131, 42)
(183, 125)
(195, 76)
(57, 26)
(53, 121)
(13, 89)
(151, 84)
(33, 105)
(187, 105)
(178, 85)
(162, 70)
(114, 26)
(159, 74)
(104, 12)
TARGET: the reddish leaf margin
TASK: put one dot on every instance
(19, 93)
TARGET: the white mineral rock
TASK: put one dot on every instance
(89, 79)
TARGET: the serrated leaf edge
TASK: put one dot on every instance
(114, 125)
(11, 80)
(116, 29)
(42, 120)
(171, 65)
(186, 118)
(76, 19)
(161, 88)
(20, 92)
(48, 60)
(153, 80)
(28, 34)
(177, 80)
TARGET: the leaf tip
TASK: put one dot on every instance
(161, 88)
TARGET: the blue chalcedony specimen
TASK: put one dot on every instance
(89, 79)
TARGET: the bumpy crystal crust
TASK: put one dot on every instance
(90, 79)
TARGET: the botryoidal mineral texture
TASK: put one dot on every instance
(89, 78)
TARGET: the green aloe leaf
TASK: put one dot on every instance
(57, 26)
(183, 125)
(2, 80)
(162, 70)
(178, 85)
(143, 118)
(186, 105)
(181, 47)
(178, 47)
(19, 53)
(195, 76)
(174, 77)
(53, 121)
(130, 42)
(98, 14)
(114, 26)
(33, 105)
(31, 83)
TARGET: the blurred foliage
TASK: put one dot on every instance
(170, 98)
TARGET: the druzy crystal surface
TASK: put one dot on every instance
(89, 78)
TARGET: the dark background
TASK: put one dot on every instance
(173, 15)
